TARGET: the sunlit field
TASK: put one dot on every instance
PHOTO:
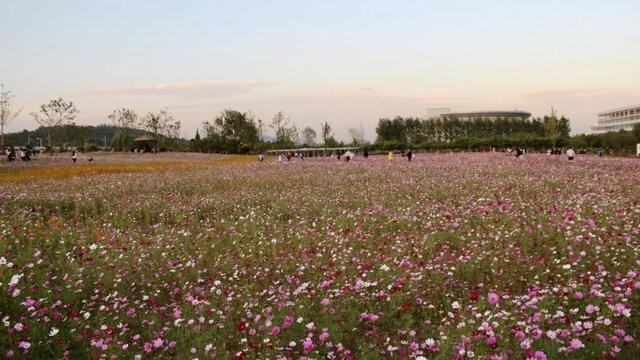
(449, 257)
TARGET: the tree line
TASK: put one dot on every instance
(452, 132)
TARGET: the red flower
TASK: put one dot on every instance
(474, 295)
(241, 327)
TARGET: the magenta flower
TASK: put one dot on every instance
(493, 298)
(147, 347)
(308, 345)
(275, 331)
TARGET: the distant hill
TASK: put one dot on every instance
(71, 135)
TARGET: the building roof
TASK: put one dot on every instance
(145, 137)
(484, 114)
(619, 109)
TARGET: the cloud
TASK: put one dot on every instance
(211, 89)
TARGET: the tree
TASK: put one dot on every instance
(552, 127)
(325, 130)
(636, 131)
(237, 131)
(123, 119)
(156, 123)
(53, 115)
(285, 134)
(6, 113)
(309, 135)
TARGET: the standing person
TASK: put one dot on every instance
(260, 157)
(409, 155)
(390, 155)
(279, 158)
(571, 154)
(74, 158)
(365, 154)
(600, 154)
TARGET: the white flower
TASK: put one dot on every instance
(566, 266)
(292, 344)
(430, 342)
(3, 261)
(93, 246)
(53, 332)
(455, 305)
(14, 279)
(385, 267)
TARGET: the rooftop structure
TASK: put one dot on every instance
(617, 119)
(493, 115)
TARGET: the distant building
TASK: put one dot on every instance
(617, 119)
(436, 112)
(492, 115)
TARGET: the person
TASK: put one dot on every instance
(519, 153)
(288, 155)
(260, 157)
(600, 153)
(11, 155)
(390, 155)
(571, 154)
(90, 159)
(409, 155)
(365, 154)
(280, 158)
(74, 158)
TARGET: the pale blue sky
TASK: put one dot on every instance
(346, 62)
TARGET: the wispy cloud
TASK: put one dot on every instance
(210, 89)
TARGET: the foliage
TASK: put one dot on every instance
(54, 115)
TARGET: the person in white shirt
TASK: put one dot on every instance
(571, 154)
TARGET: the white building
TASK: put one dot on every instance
(617, 119)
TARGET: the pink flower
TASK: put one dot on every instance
(324, 336)
(148, 347)
(324, 302)
(576, 344)
(590, 309)
(308, 345)
(493, 298)
(9, 353)
(157, 343)
(24, 345)
(288, 321)
(419, 301)
(275, 331)
(579, 295)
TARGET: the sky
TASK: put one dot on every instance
(345, 62)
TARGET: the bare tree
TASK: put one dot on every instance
(325, 130)
(309, 135)
(54, 114)
(123, 119)
(284, 132)
(6, 113)
(157, 124)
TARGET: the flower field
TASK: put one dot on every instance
(450, 256)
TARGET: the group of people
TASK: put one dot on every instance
(24, 154)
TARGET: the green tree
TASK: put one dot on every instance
(53, 115)
(123, 119)
(237, 130)
(636, 131)
(552, 127)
